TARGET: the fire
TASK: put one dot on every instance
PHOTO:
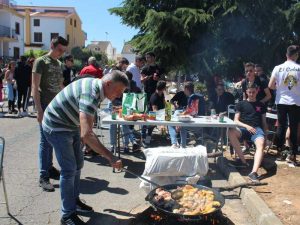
(155, 217)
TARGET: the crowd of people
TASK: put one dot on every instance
(66, 103)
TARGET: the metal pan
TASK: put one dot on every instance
(218, 197)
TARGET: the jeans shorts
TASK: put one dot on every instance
(247, 136)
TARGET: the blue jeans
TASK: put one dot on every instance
(183, 134)
(66, 145)
(45, 152)
(128, 135)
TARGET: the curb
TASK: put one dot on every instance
(256, 207)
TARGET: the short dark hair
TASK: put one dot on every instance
(161, 85)
(259, 65)
(23, 58)
(251, 85)
(68, 57)
(292, 50)
(249, 64)
(150, 54)
(189, 86)
(124, 61)
(140, 58)
(59, 40)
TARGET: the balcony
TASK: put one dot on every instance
(7, 32)
(8, 3)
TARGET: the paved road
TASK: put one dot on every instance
(113, 195)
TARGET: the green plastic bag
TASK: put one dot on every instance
(136, 102)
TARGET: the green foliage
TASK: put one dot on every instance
(35, 53)
(211, 37)
(82, 54)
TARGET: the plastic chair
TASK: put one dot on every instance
(2, 145)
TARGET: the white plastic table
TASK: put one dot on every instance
(200, 121)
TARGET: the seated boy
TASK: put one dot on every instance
(251, 118)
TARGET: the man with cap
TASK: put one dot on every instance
(92, 68)
(285, 79)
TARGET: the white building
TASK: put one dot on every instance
(42, 23)
(105, 47)
(128, 52)
(11, 31)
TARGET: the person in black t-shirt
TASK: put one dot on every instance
(251, 118)
(68, 72)
(157, 102)
(222, 99)
(179, 100)
(150, 73)
(264, 94)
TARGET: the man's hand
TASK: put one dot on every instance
(116, 163)
(252, 130)
(40, 115)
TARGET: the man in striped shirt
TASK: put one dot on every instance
(70, 117)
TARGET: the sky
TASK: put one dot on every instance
(96, 20)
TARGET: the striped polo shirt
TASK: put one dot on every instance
(83, 95)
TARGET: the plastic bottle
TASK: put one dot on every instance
(168, 111)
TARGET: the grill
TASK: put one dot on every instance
(152, 217)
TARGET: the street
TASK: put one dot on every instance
(115, 197)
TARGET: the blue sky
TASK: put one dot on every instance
(95, 18)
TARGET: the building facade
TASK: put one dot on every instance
(103, 46)
(128, 52)
(11, 31)
(42, 23)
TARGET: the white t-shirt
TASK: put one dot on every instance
(136, 74)
(287, 76)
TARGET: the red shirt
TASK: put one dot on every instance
(92, 70)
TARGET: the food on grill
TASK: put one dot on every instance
(194, 201)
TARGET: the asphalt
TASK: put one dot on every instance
(115, 197)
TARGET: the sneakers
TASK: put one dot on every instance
(281, 155)
(46, 185)
(253, 177)
(238, 164)
(54, 173)
(135, 147)
(71, 220)
(291, 158)
(82, 207)
(175, 146)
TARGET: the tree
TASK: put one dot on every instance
(35, 53)
(213, 36)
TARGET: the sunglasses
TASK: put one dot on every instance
(248, 71)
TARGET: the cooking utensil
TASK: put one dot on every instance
(217, 197)
(217, 193)
(176, 194)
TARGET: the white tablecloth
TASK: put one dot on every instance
(167, 165)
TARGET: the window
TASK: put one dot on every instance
(53, 35)
(75, 23)
(68, 37)
(17, 28)
(38, 37)
(71, 21)
(36, 22)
